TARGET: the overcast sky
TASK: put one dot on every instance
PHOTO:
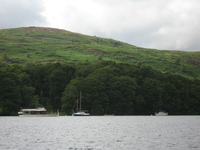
(160, 24)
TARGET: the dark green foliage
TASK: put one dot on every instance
(123, 89)
(58, 81)
(107, 88)
(10, 97)
(32, 86)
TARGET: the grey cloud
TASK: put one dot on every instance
(18, 13)
(169, 24)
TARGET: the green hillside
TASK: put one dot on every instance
(31, 45)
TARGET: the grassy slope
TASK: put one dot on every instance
(42, 45)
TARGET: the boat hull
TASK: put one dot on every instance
(108, 114)
(79, 115)
(161, 114)
(39, 115)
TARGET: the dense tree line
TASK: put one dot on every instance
(107, 88)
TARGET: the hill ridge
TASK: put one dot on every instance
(31, 45)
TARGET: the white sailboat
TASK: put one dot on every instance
(80, 112)
(160, 112)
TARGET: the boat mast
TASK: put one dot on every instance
(77, 105)
(160, 103)
(80, 101)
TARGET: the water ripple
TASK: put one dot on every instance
(100, 133)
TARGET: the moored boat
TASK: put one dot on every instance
(79, 111)
(160, 108)
(161, 113)
(36, 112)
(108, 114)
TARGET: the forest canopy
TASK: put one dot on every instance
(107, 87)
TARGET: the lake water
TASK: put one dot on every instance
(100, 133)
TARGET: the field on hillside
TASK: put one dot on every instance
(32, 45)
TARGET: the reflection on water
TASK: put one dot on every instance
(101, 132)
